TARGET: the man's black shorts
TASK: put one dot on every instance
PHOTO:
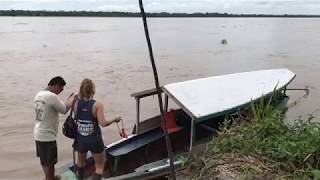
(47, 152)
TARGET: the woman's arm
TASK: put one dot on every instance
(100, 116)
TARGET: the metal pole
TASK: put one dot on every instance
(166, 103)
(192, 136)
(168, 142)
(138, 115)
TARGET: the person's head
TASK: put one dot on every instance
(87, 89)
(56, 84)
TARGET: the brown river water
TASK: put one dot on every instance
(113, 52)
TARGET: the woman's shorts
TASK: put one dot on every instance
(96, 146)
(47, 152)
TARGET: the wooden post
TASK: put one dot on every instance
(168, 142)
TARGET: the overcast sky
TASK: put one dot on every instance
(187, 6)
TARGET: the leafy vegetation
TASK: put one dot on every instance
(268, 147)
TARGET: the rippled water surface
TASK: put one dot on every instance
(113, 52)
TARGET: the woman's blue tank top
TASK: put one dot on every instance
(87, 125)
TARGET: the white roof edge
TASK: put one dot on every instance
(206, 96)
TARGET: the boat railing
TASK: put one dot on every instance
(145, 93)
(138, 96)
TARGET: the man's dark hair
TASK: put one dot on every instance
(58, 80)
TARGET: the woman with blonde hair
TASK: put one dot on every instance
(89, 115)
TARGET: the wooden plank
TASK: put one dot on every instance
(145, 93)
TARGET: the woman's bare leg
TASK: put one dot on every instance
(81, 165)
(99, 161)
(82, 159)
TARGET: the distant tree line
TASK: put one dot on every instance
(133, 14)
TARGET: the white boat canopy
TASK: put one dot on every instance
(214, 95)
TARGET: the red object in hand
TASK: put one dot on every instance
(122, 133)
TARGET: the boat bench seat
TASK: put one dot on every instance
(131, 144)
(135, 142)
(145, 138)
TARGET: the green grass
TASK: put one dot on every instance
(267, 147)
